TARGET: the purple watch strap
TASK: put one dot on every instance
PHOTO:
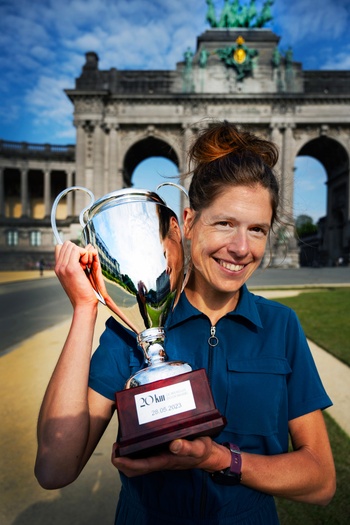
(236, 458)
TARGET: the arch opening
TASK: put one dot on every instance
(151, 162)
(322, 175)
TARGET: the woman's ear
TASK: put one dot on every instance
(174, 230)
(189, 215)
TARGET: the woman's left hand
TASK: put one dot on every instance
(201, 453)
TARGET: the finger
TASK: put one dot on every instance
(137, 467)
(197, 448)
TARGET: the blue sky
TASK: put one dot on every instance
(43, 45)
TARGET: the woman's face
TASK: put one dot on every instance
(228, 239)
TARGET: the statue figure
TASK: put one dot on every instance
(226, 15)
(188, 56)
(265, 15)
(235, 15)
(276, 58)
(288, 57)
(244, 17)
(187, 74)
(252, 11)
(203, 58)
(211, 17)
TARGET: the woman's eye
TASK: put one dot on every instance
(257, 229)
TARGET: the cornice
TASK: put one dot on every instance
(243, 98)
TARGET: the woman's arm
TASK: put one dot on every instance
(72, 417)
(307, 474)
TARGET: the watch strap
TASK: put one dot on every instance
(231, 475)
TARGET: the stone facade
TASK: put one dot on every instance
(124, 116)
(31, 175)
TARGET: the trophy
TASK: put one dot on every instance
(139, 244)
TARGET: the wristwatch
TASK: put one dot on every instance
(231, 475)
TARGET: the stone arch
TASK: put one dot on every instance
(330, 153)
(143, 149)
(335, 159)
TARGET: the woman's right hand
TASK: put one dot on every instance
(72, 265)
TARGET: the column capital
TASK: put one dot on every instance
(109, 126)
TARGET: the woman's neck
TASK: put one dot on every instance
(210, 302)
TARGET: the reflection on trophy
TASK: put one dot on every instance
(139, 243)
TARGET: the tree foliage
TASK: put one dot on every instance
(305, 225)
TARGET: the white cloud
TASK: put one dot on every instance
(306, 20)
(49, 104)
(338, 60)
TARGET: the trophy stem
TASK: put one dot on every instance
(158, 367)
(151, 342)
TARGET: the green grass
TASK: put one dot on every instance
(325, 316)
(338, 511)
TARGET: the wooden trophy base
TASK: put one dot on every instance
(152, 415)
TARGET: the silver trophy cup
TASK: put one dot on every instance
(141, 255)
(139, 243)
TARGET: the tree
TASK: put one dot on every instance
(305, 225)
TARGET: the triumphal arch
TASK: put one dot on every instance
(235, 72)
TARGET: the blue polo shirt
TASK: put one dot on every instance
(262, 375)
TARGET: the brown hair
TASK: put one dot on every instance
(225, 156)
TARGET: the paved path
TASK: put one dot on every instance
(92, 498)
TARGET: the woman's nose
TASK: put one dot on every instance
(238, 244)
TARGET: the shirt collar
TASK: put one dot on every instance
(246, 308)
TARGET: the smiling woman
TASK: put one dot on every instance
(260, 369)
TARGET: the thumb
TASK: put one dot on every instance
(176, 446)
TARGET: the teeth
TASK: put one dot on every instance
(232, 267)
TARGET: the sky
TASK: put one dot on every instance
(43, 45)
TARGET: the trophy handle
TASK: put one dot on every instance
(81, 216)
(82, 223)
(178, 186)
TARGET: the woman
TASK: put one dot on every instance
(259, 366)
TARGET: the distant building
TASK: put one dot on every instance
(123, 117)
(31, 175)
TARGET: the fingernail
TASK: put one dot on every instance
(175, 446)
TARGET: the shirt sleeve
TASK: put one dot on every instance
(115, 360)
(305, 389)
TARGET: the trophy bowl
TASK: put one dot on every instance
(139, 244)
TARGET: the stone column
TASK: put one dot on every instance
(107, 130)
(292, 257)
(288, 170)
(187, 138)
(276, 138)
(70, 194)
(97, 161)
(187, 134)
(80, 166)
(24, 193)
(47, 193)
(115, 168)
(2, 193)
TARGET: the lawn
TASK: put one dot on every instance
(325, 318)
(338, 511)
